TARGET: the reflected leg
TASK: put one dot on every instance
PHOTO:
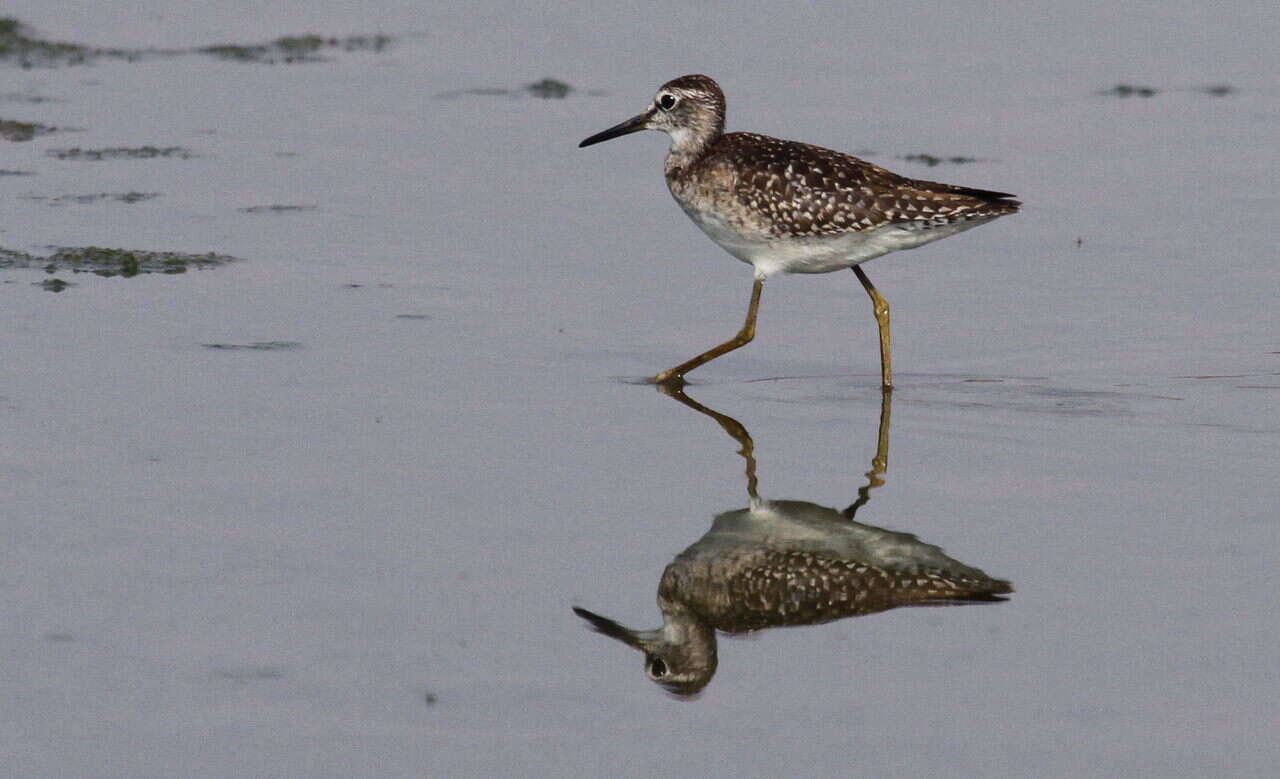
(881, 308)
(730, 425)
(744, 336)
(880, 462)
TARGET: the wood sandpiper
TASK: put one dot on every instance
(789, 207)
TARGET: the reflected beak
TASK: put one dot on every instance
(632, 125)
(605, 625)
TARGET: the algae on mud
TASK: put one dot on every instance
(932, 160)
(549, 88)
(111, 262)
(257, 346)
(117, 197)
(54, 285)
(1135, 90)
(26, 97)
(546, 89)
(1130, 90)
(276, 209)
(291, 50)
(14, 130)
(17, 45)
(122, 152)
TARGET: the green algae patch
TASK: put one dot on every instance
(10, 258)
(932, 160)
(27, 97)
(125, 262)
(20, 46)
(54, 285)
(99, 197)
(14, 130)
(111, 262)
(1135, 90)
(115, 197)
(257, 346)
(545, 89)
(1130, 90)
(291, 50)
(276, 209)
(122, 153)
(549, 89)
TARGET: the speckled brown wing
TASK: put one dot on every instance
(801, 190)
(803, 588)
(925, 205)
(985, 195)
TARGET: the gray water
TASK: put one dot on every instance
(324, 510)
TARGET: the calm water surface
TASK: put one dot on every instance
(325, 511)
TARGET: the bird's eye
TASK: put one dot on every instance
(667, 102)
(657, 668)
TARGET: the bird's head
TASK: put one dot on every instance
(690, 109)
(680, 655)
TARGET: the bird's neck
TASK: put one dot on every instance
(688, 145)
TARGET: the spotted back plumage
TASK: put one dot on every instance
(779, 189)
(751, 589)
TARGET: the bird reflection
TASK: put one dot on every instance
(787, 562)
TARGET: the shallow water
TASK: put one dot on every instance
(324, 511)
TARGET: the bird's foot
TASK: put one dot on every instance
(668, 380)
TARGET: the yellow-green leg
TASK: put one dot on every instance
(881, 308)
(676, 375)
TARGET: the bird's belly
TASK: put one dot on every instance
(728, 236)
(819, 254)
(825, 254)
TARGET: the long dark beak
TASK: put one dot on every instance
(632, 125)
